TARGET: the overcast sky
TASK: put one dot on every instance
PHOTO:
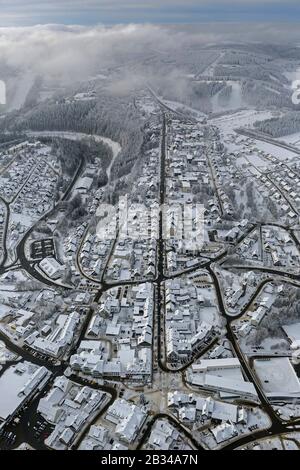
(90, 12)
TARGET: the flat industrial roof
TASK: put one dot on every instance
(11, 383)
(277, 376)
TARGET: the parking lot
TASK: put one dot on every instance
(42, 249)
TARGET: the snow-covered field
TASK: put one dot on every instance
(293, 139)
(278, 152)
(243, 118)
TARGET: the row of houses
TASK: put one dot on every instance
(69, 406)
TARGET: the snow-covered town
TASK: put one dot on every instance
(150, 262)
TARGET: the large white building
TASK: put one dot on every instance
(51, 268)
(17, 384)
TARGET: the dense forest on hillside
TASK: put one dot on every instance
(111, 117)
(279, 127)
